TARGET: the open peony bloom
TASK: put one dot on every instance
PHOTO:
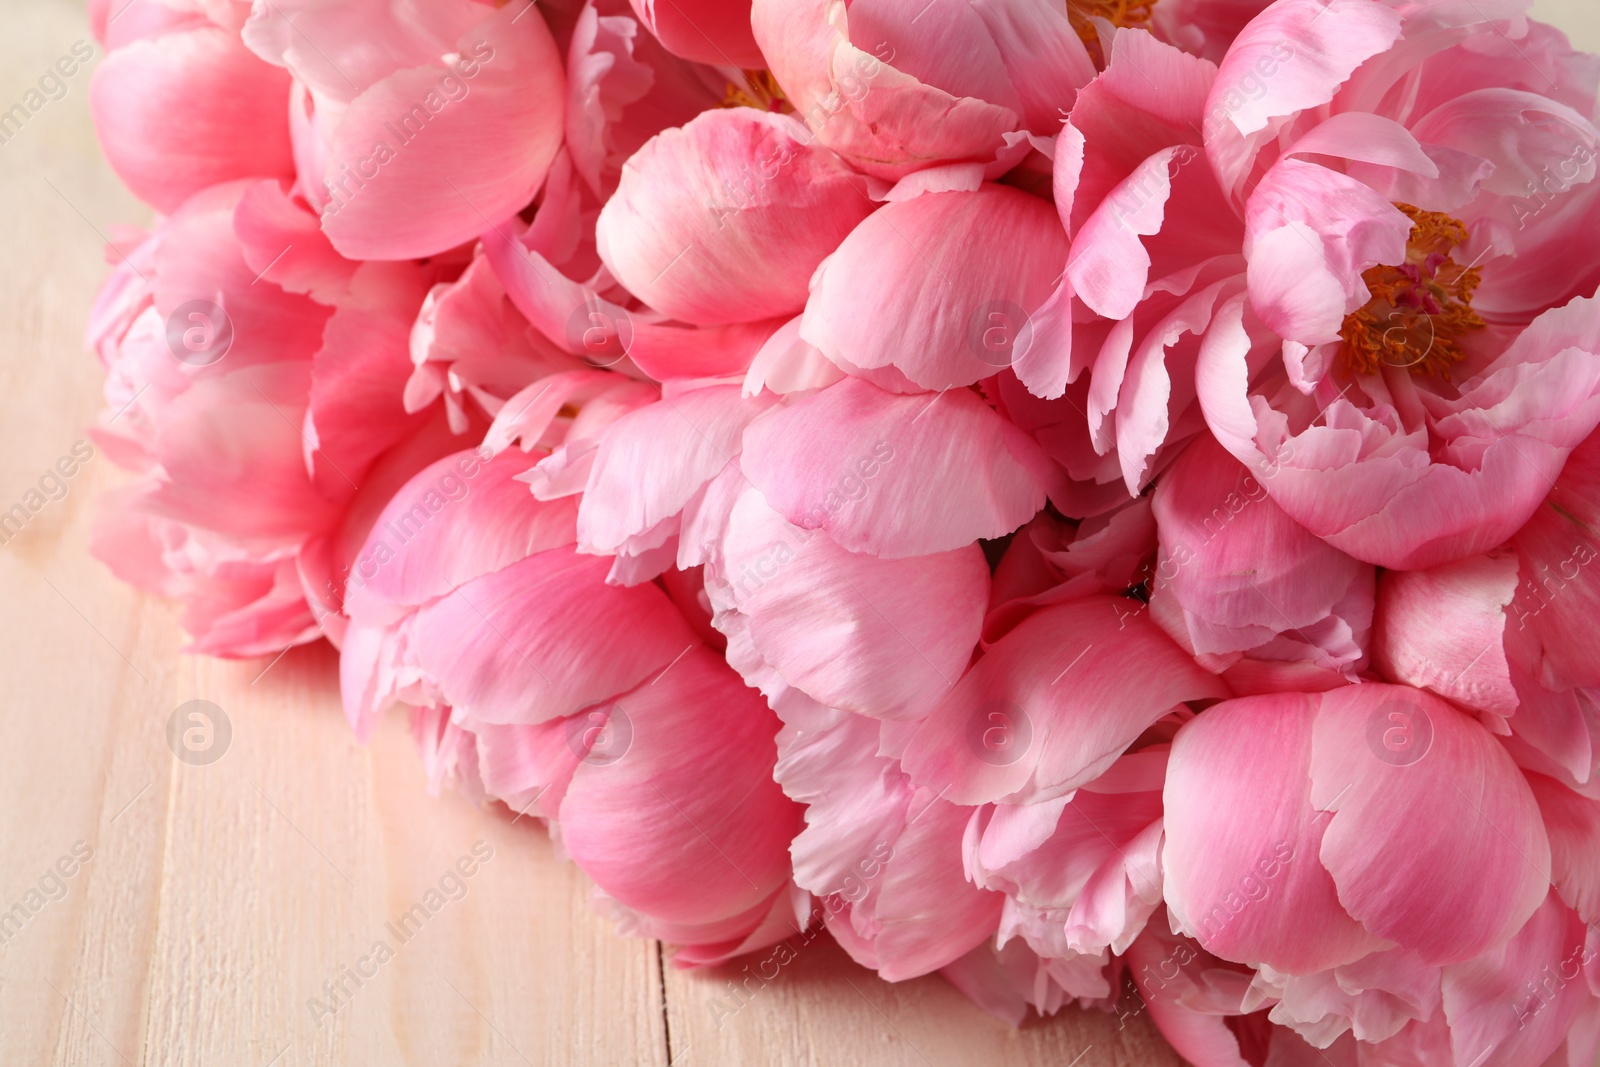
(594, 706)
(1409, 179)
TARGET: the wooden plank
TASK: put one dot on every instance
(302, 861)
(822, 1008)
(88, 666)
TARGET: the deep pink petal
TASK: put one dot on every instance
(190, 109)
(686, 825)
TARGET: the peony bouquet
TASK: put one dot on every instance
(1075, 497)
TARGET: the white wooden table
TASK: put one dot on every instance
(219, 899)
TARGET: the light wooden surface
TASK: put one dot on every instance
(219, 899)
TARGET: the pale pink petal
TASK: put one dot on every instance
(231, 457)
(940, 287)
(1242, 570)
(424, 159)
(1536, 975)
(726, 219)
(922, 913)
(1573, 822)
(544, 638)
(879, 637)
(604, 333)
(1444, 629)
(1301, 51)
(1560, 598)
(1190, 995)
(1435, 840)
(856, 461)
(460, 518)
(881, 118)
(284, 244)
(653, 460)
(1052, 704)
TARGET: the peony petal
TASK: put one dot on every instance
(1017, 727)
(1573, 823)
(1444, 629)
(661, 835)
(726, 219)
(1303, 51)
(714, 32)
(544, 638)
(652, 460)
(1537, 975)
(878, 637)
(489, 521)
(856, 461)
(1242, 570)
(950, 279)
(1436, 841)
(1240, 860)
(483, 144)
(190, 109)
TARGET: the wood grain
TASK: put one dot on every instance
(220, 899)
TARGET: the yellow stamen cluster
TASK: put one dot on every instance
(1420, 308)
(760, 91)
(1121, 13)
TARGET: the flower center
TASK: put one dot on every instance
(1419, 309)
(1122, 13)
(760, 91)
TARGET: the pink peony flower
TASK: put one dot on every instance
(1380, 861)
(181, 104)
(414, 132)
(594, 706)
(894, 88)
(259, 383)
(1436, 370)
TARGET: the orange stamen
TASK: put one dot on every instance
(1420, 308)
